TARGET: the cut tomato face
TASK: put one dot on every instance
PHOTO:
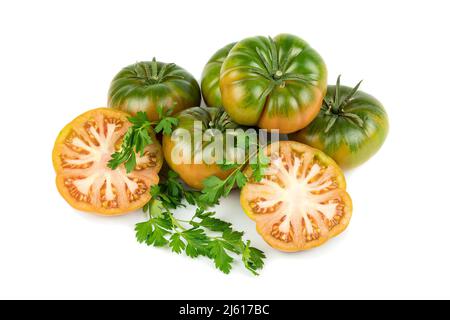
(80, 158)
(301, 202)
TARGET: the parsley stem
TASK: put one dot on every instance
(239, 168)
(174, 220)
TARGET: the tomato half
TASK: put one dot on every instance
(274, 84)
(146, 85)
(210, 77)
(301, 201)
(80, 157)
(191, 172)
(351, 126)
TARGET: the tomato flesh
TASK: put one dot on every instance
(301, 201)
(81, 155)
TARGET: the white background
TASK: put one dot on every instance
(57, 59)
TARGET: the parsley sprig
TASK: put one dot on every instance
(139, 136)
(203, 235)
(216, 188)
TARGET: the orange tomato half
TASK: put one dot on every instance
(301, 202)
(80, 158)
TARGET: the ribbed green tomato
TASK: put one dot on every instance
(351, 126)
(210, 77)
(273, 83)
(194, 173)
(144, 86)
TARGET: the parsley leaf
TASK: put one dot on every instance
(221, 259)
(139, 136)
(253, 258)
(135, 140)
(153, 232)
(216, 188)
(197, 242)
(176, 243)
(143, 229)
(166, 123)
(241, 179)
(213, 224)
(259, 167)
(203, 235)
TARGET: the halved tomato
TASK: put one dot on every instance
(301, 201)
(80, 158)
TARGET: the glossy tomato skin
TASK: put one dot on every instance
(193, 174)
(349, 141)
(274, 84)
(144, 86)
(211, 75)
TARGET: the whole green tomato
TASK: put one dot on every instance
(213, 122)
(351, 126)
(274, 83)
(210, 77)
(144, 86)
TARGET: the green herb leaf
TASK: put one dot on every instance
(213, 224)
(241, 179)
(143, 230)
(197, 242)
(176, 243)
(136, 139)
(166, 123)
(203, 235)
(253, 258)
(221, 259)
(130, 164)
(213, 190)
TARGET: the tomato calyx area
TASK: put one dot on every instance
(152, 73)
(335, 107)
(275, 70)
(221, 121)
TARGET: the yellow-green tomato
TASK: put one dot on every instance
(210, 77)
(147, 85)
(212, 122)
(274, 83)
(351, 126)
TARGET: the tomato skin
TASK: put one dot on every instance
(193, 174)
(151, 175)
(137, 88)
(346, 142)
(211, 75)
(282, 92)
(263, 220)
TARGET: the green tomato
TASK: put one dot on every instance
(351, 126)
(210, 77)
(144, 86)
(273, 83)
(195, 172)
